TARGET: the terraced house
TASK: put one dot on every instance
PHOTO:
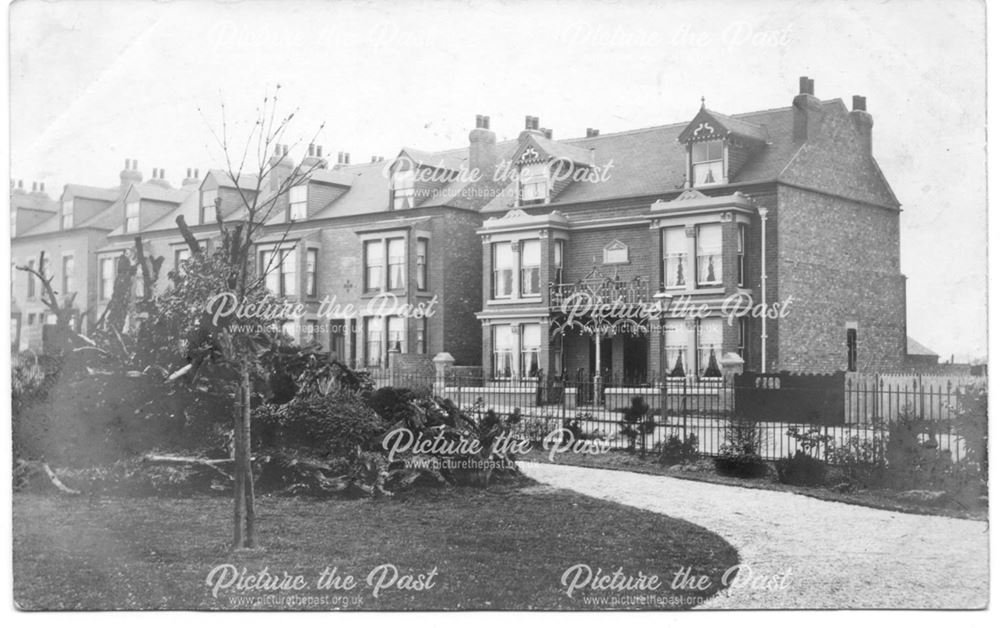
(637, 256)
(641, 255)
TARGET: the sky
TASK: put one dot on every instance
(95, 82)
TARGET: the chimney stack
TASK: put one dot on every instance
(807, 113)
(192, 178)
(547, 133)
(130, 175)
(531, 123)
(483, 148)
(281, 166)
(314, 161)
(863, 122)
(160, 178)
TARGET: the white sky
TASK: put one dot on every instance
(94, 82)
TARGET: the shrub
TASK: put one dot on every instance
(860, 460)
(338, 424)
(677, 451)
(801, 469)
(739, 455)
(637, 422)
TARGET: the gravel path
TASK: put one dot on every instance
(840, 555)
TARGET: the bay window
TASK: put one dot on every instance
(403, 189)
(706, 163)
(297, 198)
(503, 271)
(397, 263)
(675, 257)
(531, 260)
(709, 339)
(708, 248)
(534, 183)
(503, 351)
(374, 256)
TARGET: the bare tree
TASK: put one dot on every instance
(250, 168)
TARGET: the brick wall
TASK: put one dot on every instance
(839, 260)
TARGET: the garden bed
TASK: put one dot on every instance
(505, 547)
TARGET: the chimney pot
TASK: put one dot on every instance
(34, 186)
(527, 123)
(319, 151)
(860, 103)
(805, 85)
(486, 122)
(41, 186)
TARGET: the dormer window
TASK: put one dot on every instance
(534, 181)
(67, 214)
(403, 189)
(297, 198)
(131, 216)
(706, 163)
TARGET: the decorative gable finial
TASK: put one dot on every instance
(702, 103)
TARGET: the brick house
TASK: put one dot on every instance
(621, 254)
(365, 247)
(637, 255)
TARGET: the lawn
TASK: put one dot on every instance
(506, 547)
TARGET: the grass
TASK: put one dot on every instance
(505, 547)
(884, 499)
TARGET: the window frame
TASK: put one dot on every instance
(68, 273)
(423, 247)
(698, 239)
(403, 187)
(525, 271)
(399, 264)
(708, 161)
(312, 271)
(373, 284)
(103, 279)
(741, 257)
(207, 203)
(510, 351)
(497, 269)
(531, 180)
(298, 209)
(669, 278)
(703, 361)
(132, 218)
(372, 324)
(31, 279)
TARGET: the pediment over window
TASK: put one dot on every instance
(616, 252)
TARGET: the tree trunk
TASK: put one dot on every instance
(239, 494)
(246, 462)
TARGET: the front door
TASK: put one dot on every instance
(635, 354)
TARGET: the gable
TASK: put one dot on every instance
(837, 161)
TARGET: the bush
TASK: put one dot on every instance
(739, 455)
(339, 424)
(801, 469)
(677, 451)
(860, 460)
